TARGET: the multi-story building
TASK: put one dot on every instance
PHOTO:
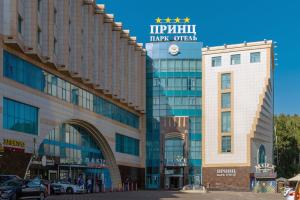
(237, 122)
(209, 115)
(72, 93)
(173, 114)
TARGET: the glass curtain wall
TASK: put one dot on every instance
(173, 89)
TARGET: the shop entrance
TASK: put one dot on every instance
(174, 182)
(52, 175)
(76, 151)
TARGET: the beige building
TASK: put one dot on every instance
(72, 92)
(237, 123)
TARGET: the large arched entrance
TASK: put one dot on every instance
(76, 149)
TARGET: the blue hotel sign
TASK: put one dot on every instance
(172, 30)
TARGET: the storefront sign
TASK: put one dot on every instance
(265, 170)
(226, 172)
(14, 143)
(265, 167)
(43, 161)
(177, 29)
(95, 163)
(169, 171)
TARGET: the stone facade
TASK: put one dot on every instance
(251, 111)
(237, 181)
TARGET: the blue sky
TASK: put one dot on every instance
(230, 21)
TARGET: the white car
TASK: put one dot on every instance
(71, 188)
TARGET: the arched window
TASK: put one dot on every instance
(261, 154)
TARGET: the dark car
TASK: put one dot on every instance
(33, 189)
(56, 189)
(10, 187)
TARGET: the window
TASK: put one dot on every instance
(54, 46)
(174, 151)
(195, 150)
(30, 75)
(226, 122)
(128, 145)
(54, 15)
(20, 24)
(226, 144)
(225, 100)
(225, 81)
(261, 155)
(20, 117)
(163, 65)
(255, 57)
(39, 2)
(216, 61)
(39, 35)
(235, 59)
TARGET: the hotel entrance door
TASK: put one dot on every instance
(173, 182)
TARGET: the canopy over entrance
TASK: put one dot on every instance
(295, 178)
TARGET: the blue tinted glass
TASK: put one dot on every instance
(255, 57)
(18, 116)
(128, 145)
(225, 81)
(226, 100)
(226, 122)
(26, 73)
(226, 143)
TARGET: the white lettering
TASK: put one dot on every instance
(191, 29)
(154, 29)
(181, 28)
(171, 29)
(163, 28)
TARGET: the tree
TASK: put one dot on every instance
(287, 145)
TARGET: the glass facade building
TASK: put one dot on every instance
(128, 145)
(34, 77)
(20, 117)
(78, 153)
(173, 90)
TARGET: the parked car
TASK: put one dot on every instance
(71, 188)
(56, 188)
(33, 189)
(10, 187)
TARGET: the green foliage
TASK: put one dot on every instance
(287, 145)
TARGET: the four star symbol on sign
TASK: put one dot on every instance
(169, 20)
(177, 20)
(187, 20)
(158, 20)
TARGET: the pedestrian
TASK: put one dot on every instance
(89, 185)
(126, 184)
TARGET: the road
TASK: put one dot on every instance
(168, 195)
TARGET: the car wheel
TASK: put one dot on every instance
(42, 196)
(70, 191)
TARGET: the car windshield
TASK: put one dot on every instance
(10, 182)
(34, 182)
(4, 179)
